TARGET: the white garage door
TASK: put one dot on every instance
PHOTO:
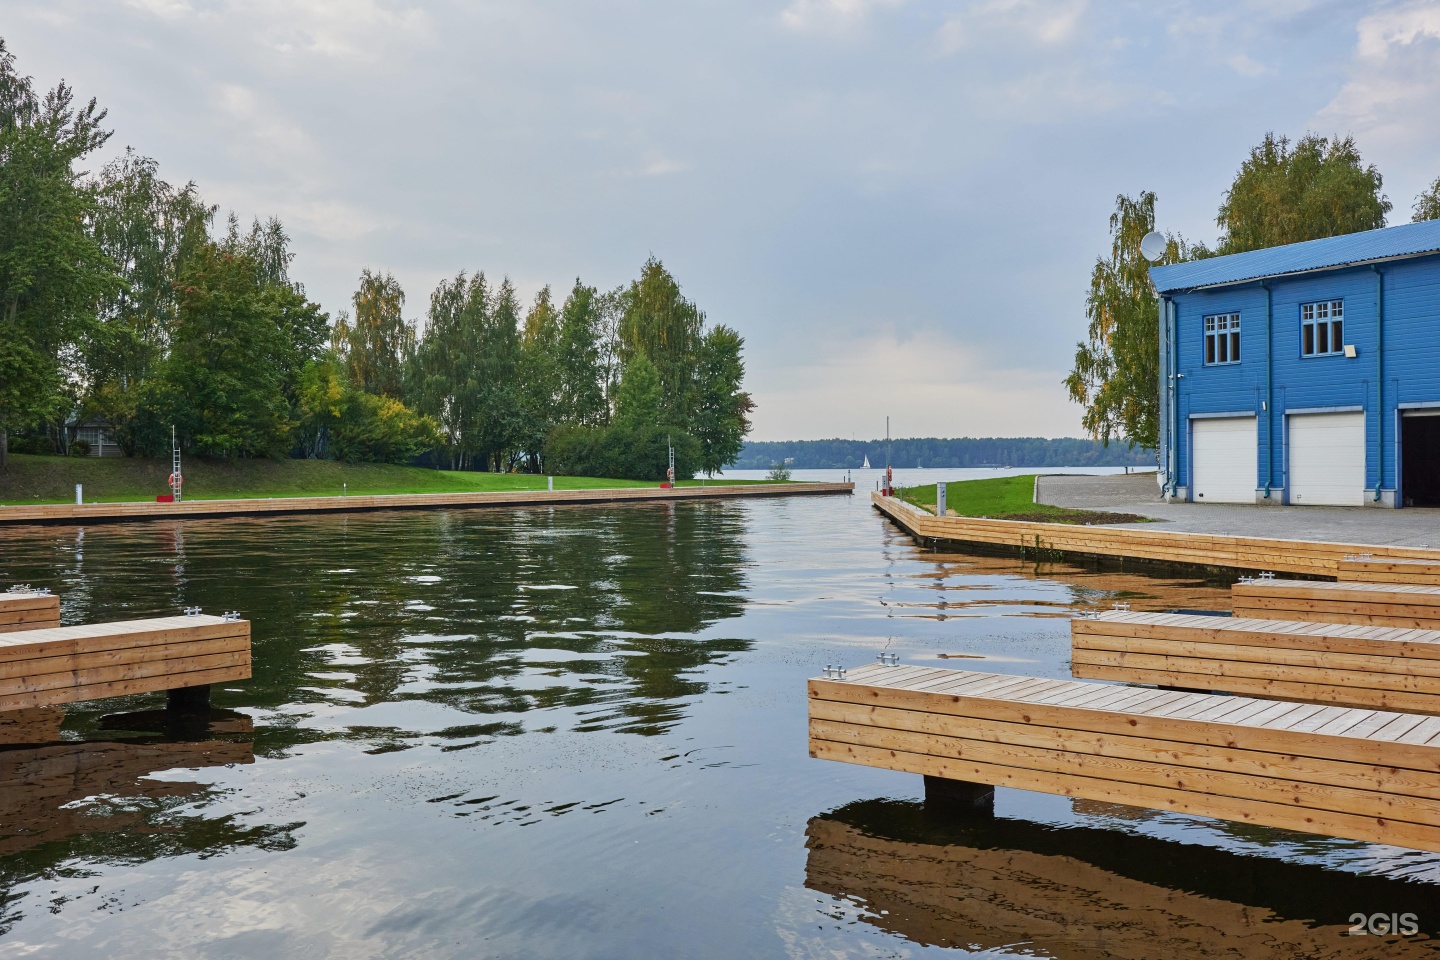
(1327, 458)
(1225, 459)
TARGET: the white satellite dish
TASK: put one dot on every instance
(1152, 246)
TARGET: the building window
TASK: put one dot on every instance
(1322, 328)
(1222, 338)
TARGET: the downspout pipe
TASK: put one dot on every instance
(1173, 357)
(1379, 380)
(1269, 398)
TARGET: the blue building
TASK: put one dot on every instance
(1304, 374)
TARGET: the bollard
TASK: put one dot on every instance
(552, 484)
(79, 493)
(940, 510)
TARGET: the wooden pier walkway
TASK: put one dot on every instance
(1345, 601)
(181, 655)
(24, 609)
(1382, 569)
(71, 513)
(1047, 540)
(1387, 668)
(1359, 774)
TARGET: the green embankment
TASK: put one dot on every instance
(1006, 498)
(52, 479)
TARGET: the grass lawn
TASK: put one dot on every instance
(52, 479)
(1006, 498)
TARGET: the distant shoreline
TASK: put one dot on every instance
(941, 453)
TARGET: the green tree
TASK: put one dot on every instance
(497, 373)
(222, 384)
(640, 401)
(722, 409)
(579, 356)
(444, 376)
(1321, 188)
(147, 228)
(52, 272)
(1117, 366)
(540, 379)
(380, 429)
(1427, 205)
(661, 324)
(377, 344)
(320, 405)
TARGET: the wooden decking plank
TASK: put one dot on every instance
(1154, 771)
(1239, 759)
(1378, 662)
(72, 663)
(119, 688)
(1096, 788)
(1371, 698)
(1221, 669)
(1258, 735)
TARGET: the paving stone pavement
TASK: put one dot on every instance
(1139, 493)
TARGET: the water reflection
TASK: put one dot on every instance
(548, 733)
(494, 615)
(937, 879)
(105, 801)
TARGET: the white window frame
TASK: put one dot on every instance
(1222, 339)
(1322, 320)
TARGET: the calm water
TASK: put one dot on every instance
(581, 733)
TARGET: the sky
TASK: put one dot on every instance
(896, 202)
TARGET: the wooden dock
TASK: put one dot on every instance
(58, 665)
(25, 609)
(1386, 668)
(71, 513)
(1346, 601)
(1383, 569)
(1359, 774)
(1055, 540)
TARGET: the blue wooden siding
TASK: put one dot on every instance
(1411, 359)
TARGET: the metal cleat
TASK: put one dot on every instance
(231, 616)
(888, 659)
(192, 611)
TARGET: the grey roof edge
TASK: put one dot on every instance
(1329, 253)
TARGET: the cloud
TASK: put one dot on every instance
(1245, 66)
(1391, 96)
(932, 385)
(359, 30)
(1025, 23)
(830, 15)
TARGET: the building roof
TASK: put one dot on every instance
(1370, 246)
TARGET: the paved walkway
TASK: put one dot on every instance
(1138, 493)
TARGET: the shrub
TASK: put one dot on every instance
(625, 451)
(80, 448)
(381, 430)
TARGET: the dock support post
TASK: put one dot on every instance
(959, 796)
(188, 700)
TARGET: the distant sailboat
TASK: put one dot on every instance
(867, 463)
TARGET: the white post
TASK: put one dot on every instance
(940, 499)
(551, 484)
(79, 493)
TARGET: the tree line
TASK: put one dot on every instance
(938, 452)
(124, 301)
(1283, 193)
